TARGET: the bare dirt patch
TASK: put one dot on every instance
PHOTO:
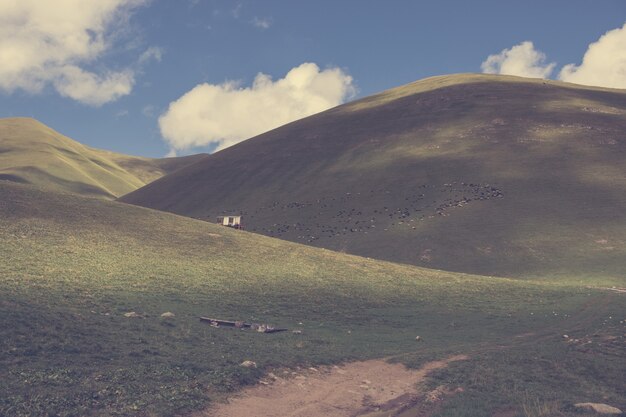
(374, 388)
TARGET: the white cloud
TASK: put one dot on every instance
(604, 63)
(90, 88)
(522, 60)
(225, 114)
(152, 53)
(50, 43)
(262, 23)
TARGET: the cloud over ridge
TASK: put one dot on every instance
(522, 60)
(604, 62)
(225, 114)
(50, 43)
(603, 65)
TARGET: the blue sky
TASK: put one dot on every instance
(141, 56)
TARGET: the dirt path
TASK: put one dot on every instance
(354, 389)
(374, 388)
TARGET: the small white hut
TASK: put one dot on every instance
(231, 221)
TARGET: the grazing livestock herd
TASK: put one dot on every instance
(373, 211)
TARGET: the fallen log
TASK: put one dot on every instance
(261, 328)
(271, 330)
(228, 323)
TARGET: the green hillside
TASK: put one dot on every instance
(32, 153)
(72, 269)
(493, 175)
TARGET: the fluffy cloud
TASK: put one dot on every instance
(90, 88)
(604, 63)
(50, 42)
(522, 60)
(225, 114)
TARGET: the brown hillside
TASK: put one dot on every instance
(33, 153)
(486, 174)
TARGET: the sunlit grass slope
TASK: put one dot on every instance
(31, 152)
(71, 267)
(486, 174)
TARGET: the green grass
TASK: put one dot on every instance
(533, 376)
(387, 177)
(31, 152)
(70, 267)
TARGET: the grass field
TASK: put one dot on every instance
(493, 175)
(71, 267)
(33, 153)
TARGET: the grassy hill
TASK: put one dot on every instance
(32, 153)
(493, 175)
(72, 267)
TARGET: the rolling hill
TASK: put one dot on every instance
(84, 283)
(493, 175)
(32, 153)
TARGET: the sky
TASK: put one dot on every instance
(176, 77)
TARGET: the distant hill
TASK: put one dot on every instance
(31, 152)
(494, 175)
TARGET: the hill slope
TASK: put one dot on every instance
(72, 269)
(485, 174)
(31, 152)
